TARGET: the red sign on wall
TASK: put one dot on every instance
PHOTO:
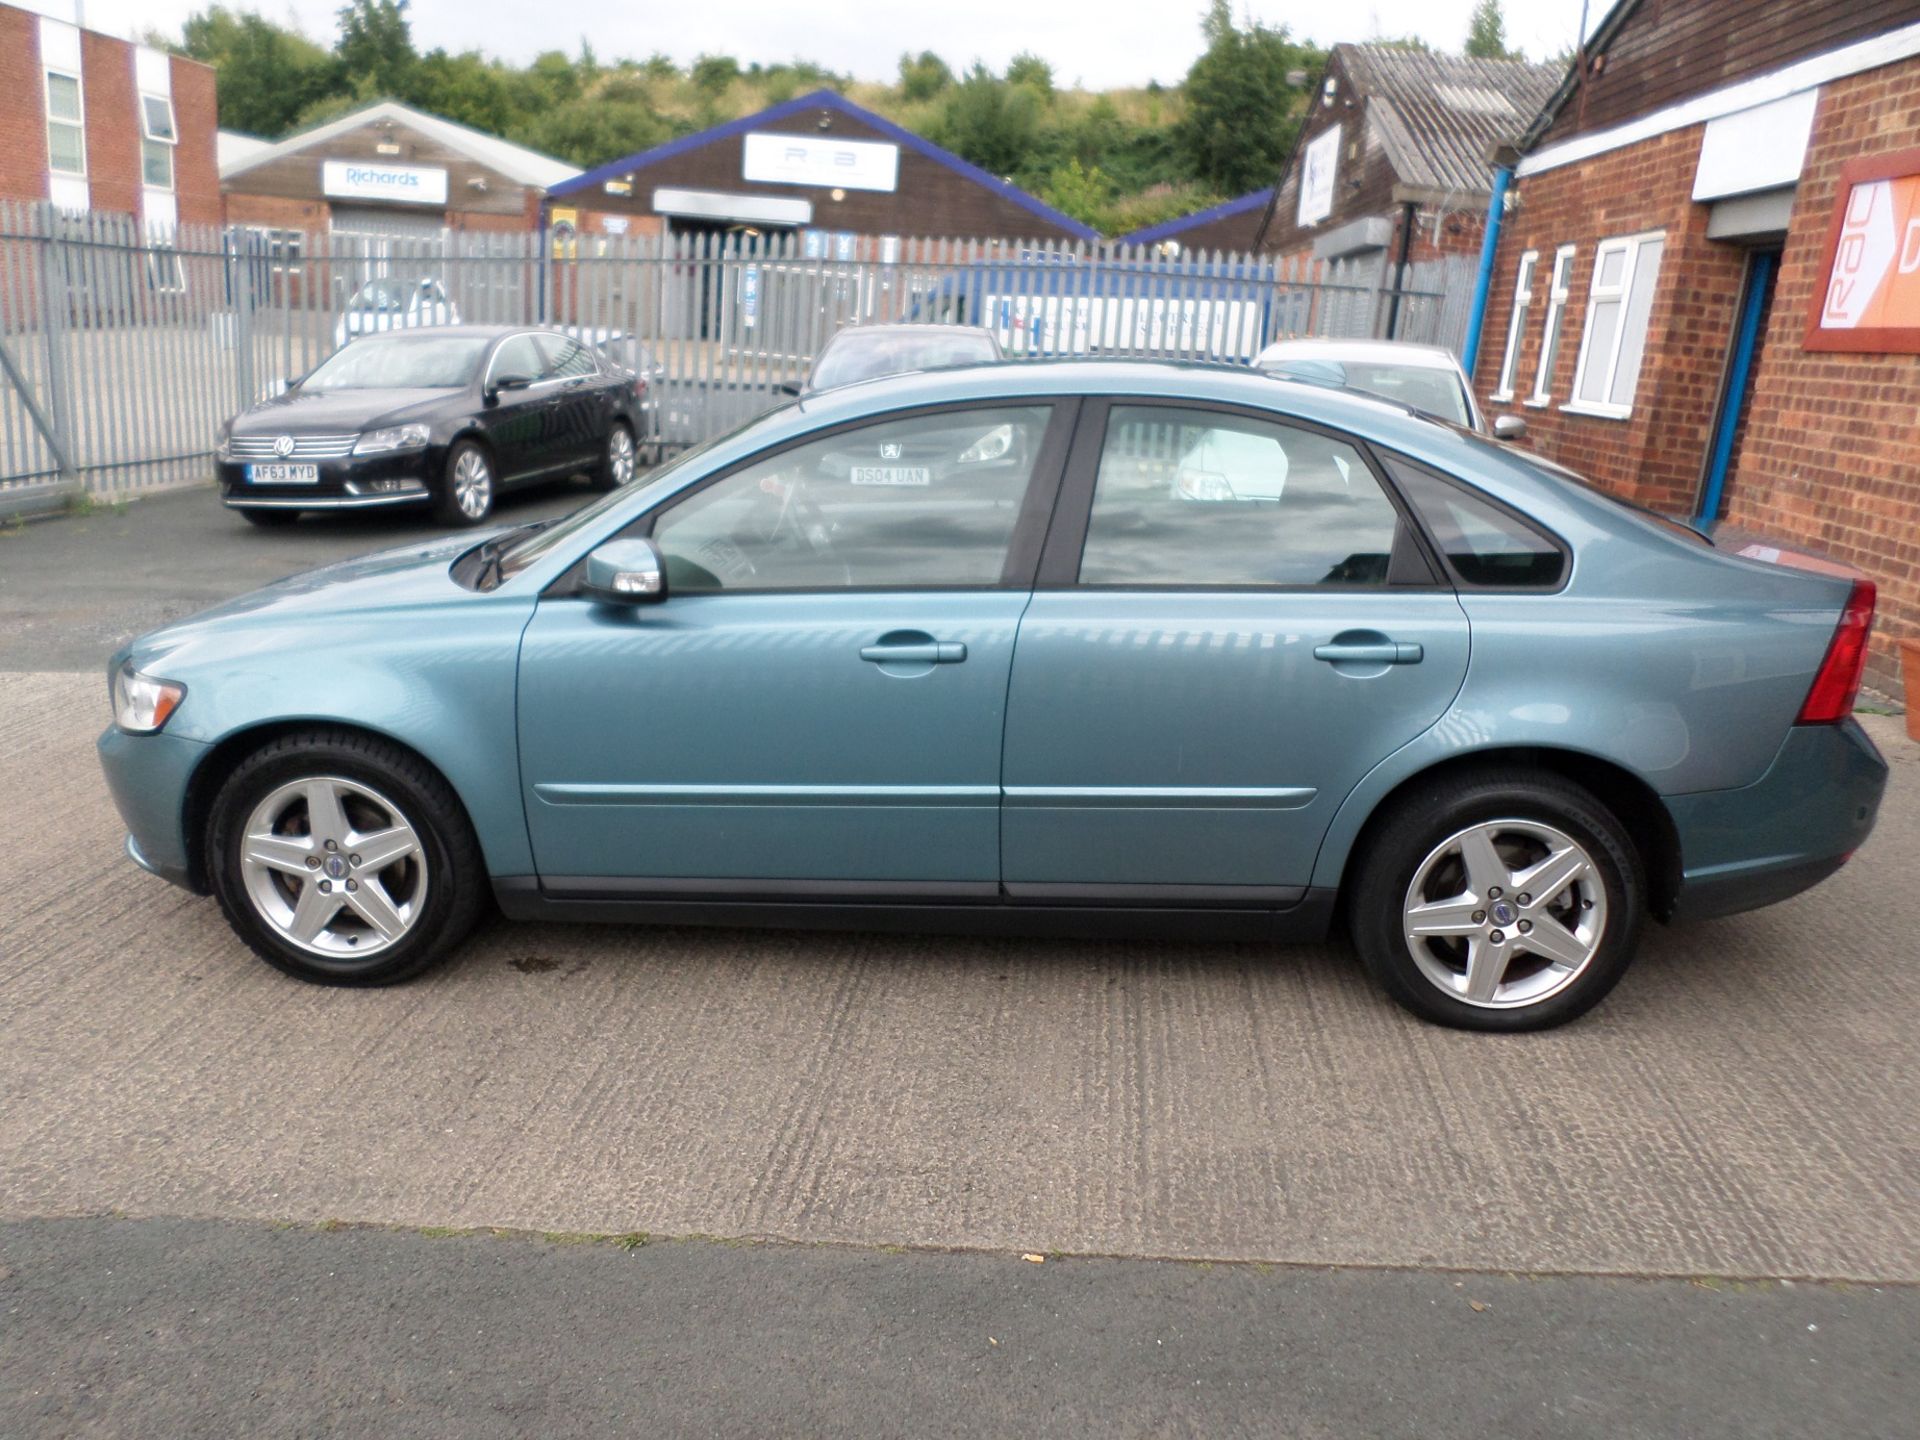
(1869, 298)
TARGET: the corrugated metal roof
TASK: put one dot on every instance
(1438, 115)
(516, 162)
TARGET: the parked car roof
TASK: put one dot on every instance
(1370, 352)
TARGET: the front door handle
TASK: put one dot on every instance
(1370, 652)
(923, 652)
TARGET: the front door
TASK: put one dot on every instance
(519, 423)
(818, 703)
(1233, 627)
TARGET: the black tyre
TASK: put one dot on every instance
(271, 519)
(467, 486)
(344, 860)
(1495, 901)
(619, 458)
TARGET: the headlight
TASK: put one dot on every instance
(990, 446)
(142, 704)
(398, 437)
(223, 443)
(1203, 485)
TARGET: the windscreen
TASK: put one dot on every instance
(863, 357)
(397, 362)
(1418, 387)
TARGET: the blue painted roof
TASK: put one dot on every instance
(1182, 223)
(825, 100)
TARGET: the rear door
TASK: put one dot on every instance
(583, 401)
(1233, 624)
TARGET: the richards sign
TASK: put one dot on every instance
(364, 180)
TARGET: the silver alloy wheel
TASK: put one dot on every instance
(1505, 914)
(333, 867)
(472, 483)
(620, 455)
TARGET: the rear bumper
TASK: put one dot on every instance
(1786, 832)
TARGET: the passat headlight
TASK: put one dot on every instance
(990, 446)
(396, 437)
(223, 442)
(142, 703)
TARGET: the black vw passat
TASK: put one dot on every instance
(444, 416)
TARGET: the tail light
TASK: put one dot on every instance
(1831, 699)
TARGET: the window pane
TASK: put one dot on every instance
(1184, 498)
(1603, 319)
(158, 114)
(518, 356)
(1612, 264)
(929, 501)
(1633, 329)
(66, 149)
(570, 357)
(63, 97)
(156, 164)
(1483, 543)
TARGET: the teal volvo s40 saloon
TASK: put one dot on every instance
(1093, 648)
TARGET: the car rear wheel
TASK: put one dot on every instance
(271, 519)
(617, 460)
(343, 860)
(1498, 902)
(466, 489)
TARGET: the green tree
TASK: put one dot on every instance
(1085, 193)
(590, 132)
(375, 49)
(1029, 69)
(714, 73)
(1242, 114)
(923, 76)
(1487, 33)
(991, 123)
(265, 76)
(466, 88)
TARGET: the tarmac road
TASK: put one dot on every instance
(1747, 1104)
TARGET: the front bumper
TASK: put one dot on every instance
(148, 777)
(1786, 832)
(403, 477)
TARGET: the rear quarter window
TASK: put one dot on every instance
(1484, 544)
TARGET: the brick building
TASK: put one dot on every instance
(90, 122)
(387, 169)
(1391, 164)
(1683, 307)
(851, 182)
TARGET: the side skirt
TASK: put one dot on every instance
(1308, 918)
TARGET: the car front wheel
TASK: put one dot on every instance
(343, 860)
(1495, 902)
(466, 490)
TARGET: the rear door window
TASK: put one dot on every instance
(1195, 499)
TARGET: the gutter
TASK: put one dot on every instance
(1489, 244)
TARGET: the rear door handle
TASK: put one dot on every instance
(1374, 652)
(928, 652)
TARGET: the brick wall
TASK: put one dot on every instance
(1829, 453)
(196, 166)
(276, 212)
(113, 123)
(23, 136)
(1656, 454)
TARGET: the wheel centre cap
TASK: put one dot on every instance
(336, 867)
(1503, 913)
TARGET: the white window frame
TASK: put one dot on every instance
(1559, 289)
(283, 249)
(166, 275)
(147, 137)
(1516, 324)
(1622, 292)
(47, 74)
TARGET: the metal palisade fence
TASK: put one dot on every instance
(121, 352)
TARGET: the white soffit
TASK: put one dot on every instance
(719, 205)
(1808, 74)
(1758, 149)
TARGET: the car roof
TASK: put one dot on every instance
(908, 328)
(1372, 352)
(475, 332)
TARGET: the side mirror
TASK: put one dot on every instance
(626, 572)
(787, 387)
(491, 395)
(1509, 427)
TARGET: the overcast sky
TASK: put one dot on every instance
(1098, 43)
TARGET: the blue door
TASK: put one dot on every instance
(1233, 627)
(819, 701)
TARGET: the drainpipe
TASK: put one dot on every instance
(1400, 270)
(1489, 243)
(540, 266)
